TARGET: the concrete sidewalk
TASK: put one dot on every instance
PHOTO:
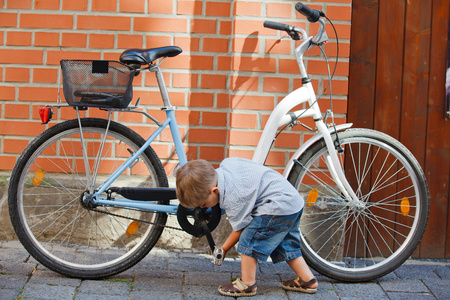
(186, 275)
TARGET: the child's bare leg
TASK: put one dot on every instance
(302, 270)
(248, 269)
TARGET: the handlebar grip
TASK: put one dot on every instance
(312, 15)
(277, 26)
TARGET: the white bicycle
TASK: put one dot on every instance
(89, 197)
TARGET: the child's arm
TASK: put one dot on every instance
(232, 239)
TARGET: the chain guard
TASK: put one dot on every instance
(198, 216)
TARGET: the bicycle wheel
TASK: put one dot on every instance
(49, 217)
(355, 243)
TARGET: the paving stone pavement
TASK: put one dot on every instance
(186, 275)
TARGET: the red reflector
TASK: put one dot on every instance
(46, 114)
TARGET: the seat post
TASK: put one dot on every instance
(162, 86)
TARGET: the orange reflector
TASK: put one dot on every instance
(404, 206)
(38, 177)
(312, 197)
(132, 228)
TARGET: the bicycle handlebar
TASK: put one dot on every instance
(278, 26)
(312, 15)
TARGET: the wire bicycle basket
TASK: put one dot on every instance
(97, 83)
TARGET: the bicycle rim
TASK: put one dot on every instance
(59, 230)
(354, 243)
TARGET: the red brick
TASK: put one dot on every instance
(248, 154)
(223, 100)
(54, 57)
(17, 111)
(210, 81)
(279, 85)
(243, 120)
(1, 74)
(205, 135)
(24, 4)
(187, 43)
(150, 79)
(279, 10)
(219, 9)
(278, 47)
(101, 41)
(203, 26)
(215, 45)
(252, 27)
(191, 62)
(339, 105)
(160, 24)
(224, 63)
(244, 83)
(22, 128)
(7, 93)
(260, 64)
(38, 94)
(7, 162)
(247, 8)
(15, 56)
(276, 158)
(125, 41)
(189, 117)
(225, 27)
(137, 6)
(249, 45)
(1, 37)
(201, 99)
(71, 39)
(289, 66)
(8, 19)
(14, 145)
(288, 140)
(49, 39)
(339, 87)
(243, 138)
(320, 67)
(214, 119)
(101, 5)
(189, 7)
(160, 7)
(75, 5)
(46, 4)
(185, 80)
(158, 41)
(46, 21)
(211, 153)
(252, 102)
(341, 13)
(18, 38)
(45, 75)
(17, 74)
(103, 22)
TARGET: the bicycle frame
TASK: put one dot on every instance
(280, 116)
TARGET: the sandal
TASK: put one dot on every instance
(238, 289)
(299, 285)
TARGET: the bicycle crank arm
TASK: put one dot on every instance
(145, 194)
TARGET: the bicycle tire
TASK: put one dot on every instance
(44, 199)
(351, 243)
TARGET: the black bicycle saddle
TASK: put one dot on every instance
(146, 56)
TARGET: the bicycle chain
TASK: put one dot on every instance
(134, 219)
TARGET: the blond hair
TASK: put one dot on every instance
(194, 181)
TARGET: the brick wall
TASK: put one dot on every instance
(231, 73)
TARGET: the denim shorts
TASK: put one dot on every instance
(274, 236)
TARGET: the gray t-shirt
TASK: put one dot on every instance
(248, 189)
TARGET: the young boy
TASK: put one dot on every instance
(264, 211)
